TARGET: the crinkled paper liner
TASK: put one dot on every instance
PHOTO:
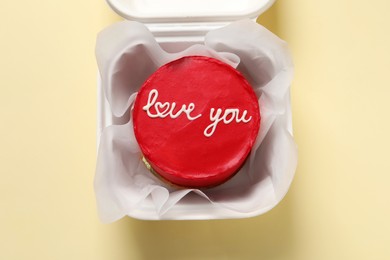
(127, 54)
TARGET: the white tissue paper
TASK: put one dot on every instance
(127, 54)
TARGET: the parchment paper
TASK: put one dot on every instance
(127, 54)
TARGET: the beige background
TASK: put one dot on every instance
(339, 203)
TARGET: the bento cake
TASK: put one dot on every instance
(195, 120)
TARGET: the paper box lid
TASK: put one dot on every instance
(186, 11)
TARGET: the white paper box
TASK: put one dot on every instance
(176, 25)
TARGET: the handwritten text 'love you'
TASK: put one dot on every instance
(167, 109)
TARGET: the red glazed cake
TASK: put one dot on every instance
(196, 120)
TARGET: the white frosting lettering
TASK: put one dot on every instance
(166, 109)
(233, 113)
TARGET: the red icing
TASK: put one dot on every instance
(177, 148)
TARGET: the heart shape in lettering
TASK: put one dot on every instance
(165, 106)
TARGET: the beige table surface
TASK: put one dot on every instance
(337, 208)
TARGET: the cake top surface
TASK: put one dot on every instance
(195, 120)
